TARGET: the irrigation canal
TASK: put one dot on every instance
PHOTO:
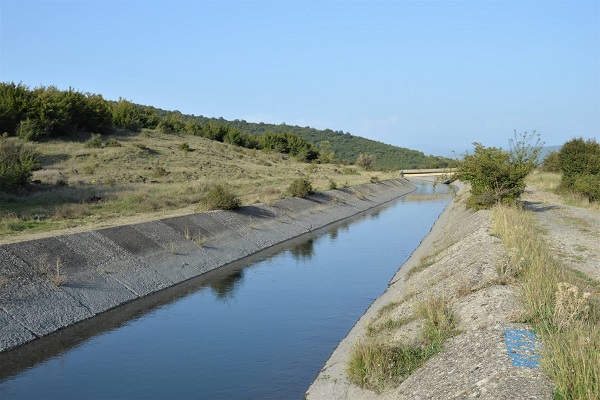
(257, 329)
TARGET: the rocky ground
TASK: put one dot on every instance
(460, 259)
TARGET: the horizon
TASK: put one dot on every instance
(427, 76)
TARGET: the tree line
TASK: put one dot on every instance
(47, 112)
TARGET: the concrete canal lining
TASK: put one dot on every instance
(105, 268)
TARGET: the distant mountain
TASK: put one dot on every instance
(547, 150)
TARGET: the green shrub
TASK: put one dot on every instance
(221, 197)
(95, 142)
(374, 179)
(551, 162)
(300, 187)
(588, 185)
(29, 129)
(496, 175)
(17, 163)
(580, 166)
(185, 147)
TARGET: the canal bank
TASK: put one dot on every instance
(51, 283)
(459, 260)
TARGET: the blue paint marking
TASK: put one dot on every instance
(522, 347)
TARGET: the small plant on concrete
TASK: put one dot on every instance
(57, 278)
(359, 195)
(300, 187)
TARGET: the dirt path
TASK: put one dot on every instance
(573, 233)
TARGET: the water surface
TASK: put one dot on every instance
(248, 331)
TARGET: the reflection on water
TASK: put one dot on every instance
(225, 288)
(303, 251)
(261, 328)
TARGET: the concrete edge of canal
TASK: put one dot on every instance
(55, 282)
(458, 260)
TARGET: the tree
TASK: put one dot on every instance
(126, 115)
(15, 100)
(172, 123)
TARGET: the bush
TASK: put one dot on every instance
(551, 162)
(221, 197)
(29, 129)
(367, 161)
(17, 163)
(497, 175)
(300, 187)
(580, 165)
(185, 147)
(95, 142)
(588, 185)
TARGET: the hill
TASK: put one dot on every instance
(87, 181)
(348, 147)
(47, 112)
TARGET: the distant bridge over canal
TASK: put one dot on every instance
(427, 172)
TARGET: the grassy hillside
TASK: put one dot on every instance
(150, 174)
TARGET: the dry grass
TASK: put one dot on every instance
(550, 182)
(150, 177)
(566, 317)
(544, 181)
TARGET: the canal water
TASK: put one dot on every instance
(261, 329)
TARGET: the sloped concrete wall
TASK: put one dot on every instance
(109, 267)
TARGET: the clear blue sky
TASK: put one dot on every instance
(432, 76)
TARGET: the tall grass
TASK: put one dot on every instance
(566, 317)
(375, 364)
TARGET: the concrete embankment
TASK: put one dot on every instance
(55, 282)
(492, 356)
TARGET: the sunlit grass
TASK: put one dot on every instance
(550, 182)
(376, 364)
(150, 175)
(565, 316)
